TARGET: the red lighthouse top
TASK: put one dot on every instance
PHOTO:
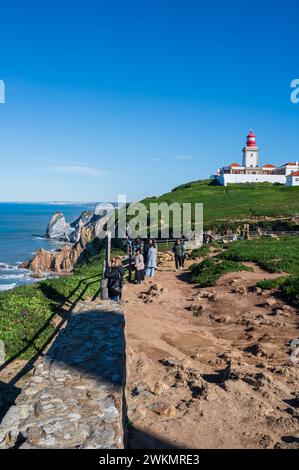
(251, 142)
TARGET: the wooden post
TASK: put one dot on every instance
(130, 266)
(108, 248)
(106, 262)
(104, 284)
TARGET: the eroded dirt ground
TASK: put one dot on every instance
(210, 367)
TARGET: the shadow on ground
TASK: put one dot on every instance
(138, 439)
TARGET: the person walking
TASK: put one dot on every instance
(146, 248)
(184, 248)
(178, 254)
(151, 263)
(139, 266)
(114, 274)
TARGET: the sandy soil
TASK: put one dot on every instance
(210, 368)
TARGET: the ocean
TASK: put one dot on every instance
(22, 229)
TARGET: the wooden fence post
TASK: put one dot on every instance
(108, 248)
(106, 262)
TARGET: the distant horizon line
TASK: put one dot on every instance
(58, 202)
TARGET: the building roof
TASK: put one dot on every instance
(234, 164)
(269, 165)
(289, 164)
(295, 173)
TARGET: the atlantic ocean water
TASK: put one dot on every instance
(22, 230)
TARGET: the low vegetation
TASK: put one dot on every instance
(272, 254)
(27, 312)
(287, 285)
(200, 252)
(272, 283)
(275, 256)
(210, 270)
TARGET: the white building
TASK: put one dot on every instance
(293, 179)
(251, 172)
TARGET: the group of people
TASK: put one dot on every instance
(143, 258)
(142, 261)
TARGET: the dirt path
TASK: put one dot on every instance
(209, 368)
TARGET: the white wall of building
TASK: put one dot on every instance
(291, 168)
(235, 178)
(292, 181)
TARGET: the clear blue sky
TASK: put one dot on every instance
(136, 97)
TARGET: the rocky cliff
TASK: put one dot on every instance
(59, 229)
(83, 237)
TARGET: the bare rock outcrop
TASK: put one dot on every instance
(58, 228)
(54, 261)
(84, 237)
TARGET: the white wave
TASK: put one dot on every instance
(6, 277)
(6, 266)
(4, 287)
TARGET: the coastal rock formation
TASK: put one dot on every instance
(64, 259)
(58, 228)
(57, 261)
(86, 236)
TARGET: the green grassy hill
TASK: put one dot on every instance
(235, 201)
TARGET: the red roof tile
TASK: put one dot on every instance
(295, 173)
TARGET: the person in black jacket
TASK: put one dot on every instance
(146, 247)
(179, 251)
(114, 274)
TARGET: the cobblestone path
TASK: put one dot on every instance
(75, 397)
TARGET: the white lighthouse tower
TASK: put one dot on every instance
(251, 152)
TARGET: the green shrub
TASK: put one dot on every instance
(287, 285)
(291, 288)
(273, 255)
(210, 270)
(272, 283)
(199, 252)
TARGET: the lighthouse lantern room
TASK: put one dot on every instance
(251, 152)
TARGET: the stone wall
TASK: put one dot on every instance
(74, 398)
(235, 178)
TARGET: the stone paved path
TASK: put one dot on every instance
(75, 396)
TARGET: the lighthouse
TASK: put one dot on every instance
(251, 172)
(251, 152)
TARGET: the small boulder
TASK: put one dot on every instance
(164, 409)
(270, 302)
(197, 310)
